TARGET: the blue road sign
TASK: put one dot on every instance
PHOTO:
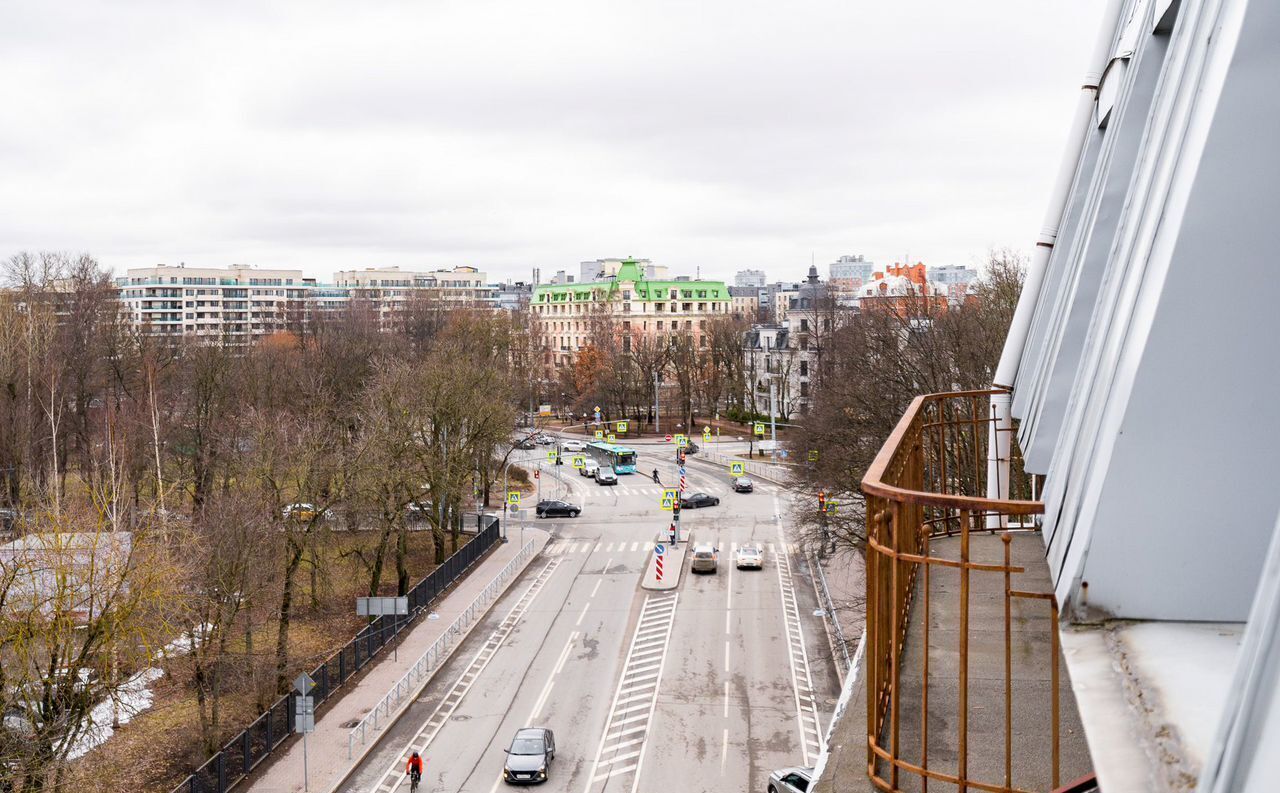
(659, 549)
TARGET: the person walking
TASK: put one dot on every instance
(655, 477)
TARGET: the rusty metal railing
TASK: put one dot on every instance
(928, 516)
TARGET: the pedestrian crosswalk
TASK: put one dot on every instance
(566, 547)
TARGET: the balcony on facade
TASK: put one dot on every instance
(965, 683)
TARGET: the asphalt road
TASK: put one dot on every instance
(705, 688)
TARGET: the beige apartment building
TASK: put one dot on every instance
(568, 315)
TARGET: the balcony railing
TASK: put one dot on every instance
(939, 568)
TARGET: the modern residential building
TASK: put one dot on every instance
(1113, 571)
(630, 304)
(749, 278)
(955, 279)
(241, 303)
(903, 289)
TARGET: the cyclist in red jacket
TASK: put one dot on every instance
(414, 770)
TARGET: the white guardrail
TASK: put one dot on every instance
(776, 472)
(430, 660)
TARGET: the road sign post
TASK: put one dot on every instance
(304, 712)
(659, 554)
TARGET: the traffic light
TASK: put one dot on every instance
(822, 501)
(675, 507)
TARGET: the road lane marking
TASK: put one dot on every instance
(724, 750)
(726, 699)
(393, 776)
(597, 586)
(551, 679)
(636, 696)
(635, 546)
(811, 740)
(582, 613)
(726, 655)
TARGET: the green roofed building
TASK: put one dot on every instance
(629, 305)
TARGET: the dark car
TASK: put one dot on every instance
(698, 500)
(691, 448)
(790, 780)
(526, 444)
(529, 757)
(743, 485)
(552, 509)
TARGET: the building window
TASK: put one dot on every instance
(804, 388)
(804, 368)
(686, 307)
(804, 326)
(659, 324)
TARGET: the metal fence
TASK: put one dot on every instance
(438, 651)
(245, 751)
(926, 515)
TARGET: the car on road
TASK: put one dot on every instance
(589, 467)
(573, 446)
(544, 440)
(550, 508)
(606, 476)
(790, 780)
(305, 512)
(690, 448)
(530, 756)
(704, 559)
(750, 555)
(743, 485)
(698, 500)
(526, 444)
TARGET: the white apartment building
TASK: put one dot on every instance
(241, 303)
(750, 278)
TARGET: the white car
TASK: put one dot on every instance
(589, 467)
(573, 446)
(749, 556)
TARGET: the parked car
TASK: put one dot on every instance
(554, 509)
(589, 467)
(573, 446)
(704, 559)
(530, 756)
(750, 555)
(698, 500)
(743, 485)
(790, 780)
(606, 476)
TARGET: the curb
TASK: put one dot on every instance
(673, 567)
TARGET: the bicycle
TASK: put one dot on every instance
(414, 779)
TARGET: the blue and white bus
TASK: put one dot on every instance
(622, 459)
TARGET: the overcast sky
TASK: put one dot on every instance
(720, 134)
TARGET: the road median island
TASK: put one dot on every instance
(332, 754)
(672, 565)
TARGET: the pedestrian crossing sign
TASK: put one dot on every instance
(611, 437)
(737, 469)
(832, 506)
(599, 434)
(706, 436)
(760, 429)
(682, 441)
(669, 497)
(813, 455)
(552, 454)
(579, 461)
(622, 427)
(513, 498)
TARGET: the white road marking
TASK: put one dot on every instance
(582, 613)
(726, 699)
(635, 546)
(726, 655)
(393, 776)
(724, 750)
(551, 680)
(811, 739)
(636, 696)
(603, 572)
(596, 588)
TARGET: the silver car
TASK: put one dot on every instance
(790, 780)
(704, 559)
(606, 476)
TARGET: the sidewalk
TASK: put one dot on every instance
(327, 761)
